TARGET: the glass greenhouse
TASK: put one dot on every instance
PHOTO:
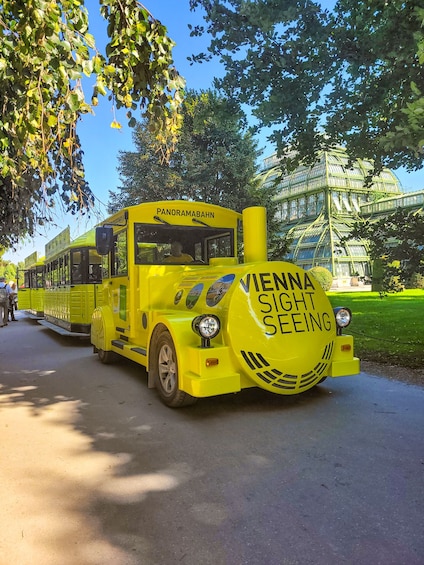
(318, 206)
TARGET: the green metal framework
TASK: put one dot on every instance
(319, 204)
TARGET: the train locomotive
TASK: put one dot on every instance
(212, 324)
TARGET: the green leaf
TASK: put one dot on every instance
(45, 52)
(90, 40)
(52, 120)
(88, 67)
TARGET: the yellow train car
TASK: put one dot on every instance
(177, 300)
(72, 283)
(31, 286)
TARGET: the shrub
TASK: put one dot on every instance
(416, 281)
(323, 276)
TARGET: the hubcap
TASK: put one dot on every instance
(167, 369)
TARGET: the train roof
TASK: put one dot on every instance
(165, 211)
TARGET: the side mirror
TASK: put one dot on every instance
(104, 240)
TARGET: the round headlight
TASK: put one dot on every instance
(343, 316)
(207, 326)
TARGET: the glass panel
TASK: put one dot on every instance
(39, 277)
(119, 255)
(94, 267)
(105, 266)
(306, 253)
(55, 272)
(66, 269)
(156, 244)
(357, 250)
(27, 279)
(346, 203)
(76, 267)
(337, 202)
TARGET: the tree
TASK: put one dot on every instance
(144, 175)
(46, 50)
(351, 77)
(7, 269)
(396, 243)
(214, 161)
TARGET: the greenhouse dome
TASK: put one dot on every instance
(319, 204)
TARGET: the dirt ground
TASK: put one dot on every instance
(394, 372)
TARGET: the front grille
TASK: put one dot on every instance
(284, 381)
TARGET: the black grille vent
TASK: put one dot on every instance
(274, 377)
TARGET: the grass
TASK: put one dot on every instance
(386, 330)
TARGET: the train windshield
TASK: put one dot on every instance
(181, 244)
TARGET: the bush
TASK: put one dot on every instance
(323, 276)
(416, 281)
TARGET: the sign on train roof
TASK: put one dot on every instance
(31, 260)
(58, 243)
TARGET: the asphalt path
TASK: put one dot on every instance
(95, 470)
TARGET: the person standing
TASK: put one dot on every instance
(4, 301)
(13, 300)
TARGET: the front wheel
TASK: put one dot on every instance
(106, 357)
(167, 374)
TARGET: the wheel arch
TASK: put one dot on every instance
(102, 327)
(181, 334)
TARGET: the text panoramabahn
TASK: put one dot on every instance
(187, 212)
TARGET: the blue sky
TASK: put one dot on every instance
(101, 143)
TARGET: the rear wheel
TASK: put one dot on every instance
(167, 374)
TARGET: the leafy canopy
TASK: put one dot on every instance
(351, 77)
(397, 243)
(46, 50)
(214, 161)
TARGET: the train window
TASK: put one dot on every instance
(219, 246)
(76, 277)
(61, 271)
(47, 276)
(94, 267)
(147, 253)
(33, 279)
(119, 255)
(55, 272)
(27, 279)
(153, 242)
(105, 266)
(66, 270)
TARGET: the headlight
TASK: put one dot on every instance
(206, 325)
(343, 316)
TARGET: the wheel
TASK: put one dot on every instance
(167, 374)
(106, 357)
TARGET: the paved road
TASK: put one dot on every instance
(95, 470)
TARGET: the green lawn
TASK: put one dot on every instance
(386, 330)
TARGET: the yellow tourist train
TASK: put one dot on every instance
(72, 273)
(178, 301)
(31, 286)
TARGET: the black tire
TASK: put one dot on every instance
(106, 357)
(167, 374)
